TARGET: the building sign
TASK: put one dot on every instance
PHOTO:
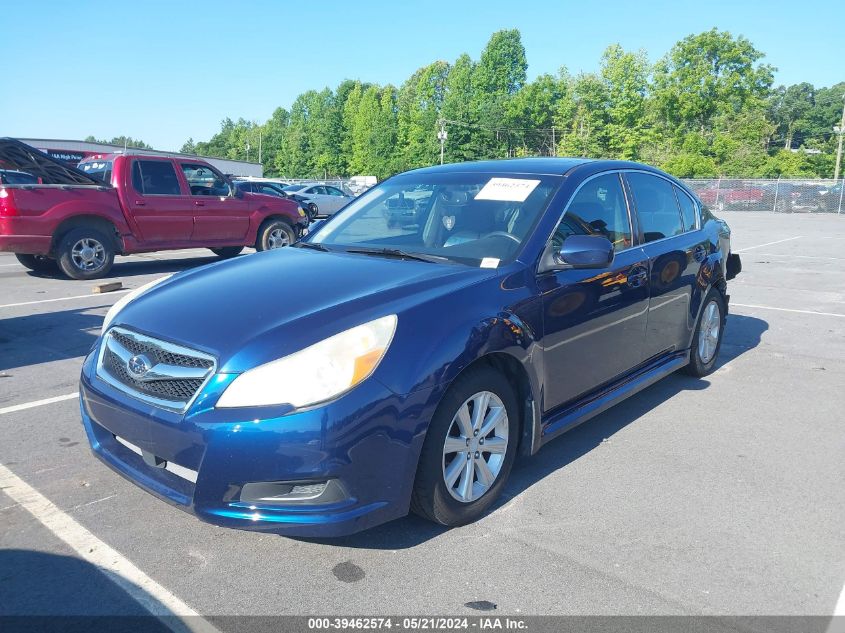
(66, 156)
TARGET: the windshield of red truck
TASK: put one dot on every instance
(99, 169)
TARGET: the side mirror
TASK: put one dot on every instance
(581, 251)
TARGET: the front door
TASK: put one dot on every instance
(158, 203)
(219, 213)
(594, 320)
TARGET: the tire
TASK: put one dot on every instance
(435, 499)
(227, 251)
(85, 253)
(312, 210)
(704, 352)
(274, 233)
(37, 263)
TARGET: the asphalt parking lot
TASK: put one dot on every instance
(721, 496)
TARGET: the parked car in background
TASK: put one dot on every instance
(320, 200)
(323, 389)
(799, 197)
(14, 177)
(262, 187)
(725, 196)
(124, 203)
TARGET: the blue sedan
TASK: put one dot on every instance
(380, 367)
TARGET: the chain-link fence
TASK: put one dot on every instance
(782, 195)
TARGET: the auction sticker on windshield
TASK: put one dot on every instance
(507, 189)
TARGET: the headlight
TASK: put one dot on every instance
(128, 298)
(301, 212)
(317, 373)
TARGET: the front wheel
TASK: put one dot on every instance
(707, 340)
(274, 234)
(85, 253)
(469, 449)
(37, 263)
(227, 251)
(312, 210)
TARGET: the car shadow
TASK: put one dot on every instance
(39, 338)
(41, 591)
(742, 334)
(149, 266)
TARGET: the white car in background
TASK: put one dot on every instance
(318, 199)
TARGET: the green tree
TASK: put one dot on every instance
(458, 108)
(419, 105)
(626, 80)
(789, 108)
(705, 75)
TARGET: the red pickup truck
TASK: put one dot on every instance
(123, 204)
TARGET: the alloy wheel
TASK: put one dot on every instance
(277, 238)
(708, 332)
(475, 446)
(88, 254)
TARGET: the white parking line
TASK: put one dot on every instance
(88, 296)
(791, 256)
(748, 305)
(38, 403)
(749, 248)
(837, 622)
(120, 570)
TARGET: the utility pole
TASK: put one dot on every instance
(442, 135)
(259, 145)
(247, 151)
(841, 131)
(554, 142)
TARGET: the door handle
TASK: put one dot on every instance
(140, 203)
(637, 278)
(199, 203)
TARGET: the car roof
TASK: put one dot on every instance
(546, 166)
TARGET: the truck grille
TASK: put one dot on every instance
(160, 373)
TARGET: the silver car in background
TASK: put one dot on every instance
(327, 200)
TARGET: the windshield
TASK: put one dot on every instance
(294, 187)
(471, 218)
(99, 169)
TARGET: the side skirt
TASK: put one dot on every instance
(596, 402)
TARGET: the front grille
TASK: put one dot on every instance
(173, 374)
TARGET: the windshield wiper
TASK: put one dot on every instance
(314, 245)
(399, 254)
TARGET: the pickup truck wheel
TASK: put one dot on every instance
(38, 263)
(85, 254)
(274, 234)
(227, 251)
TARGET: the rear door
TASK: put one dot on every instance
(158, 202)
(220, 214)
(594, 320)
(677, 250)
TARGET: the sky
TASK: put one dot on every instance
(166, 71)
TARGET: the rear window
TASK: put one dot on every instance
(157, 178)
(99, 169)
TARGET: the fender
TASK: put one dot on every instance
(282, 208)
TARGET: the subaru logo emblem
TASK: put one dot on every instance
(138, 366)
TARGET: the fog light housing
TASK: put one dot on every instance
(292, 492)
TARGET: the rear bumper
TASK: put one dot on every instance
(366, 443)
(26, 244)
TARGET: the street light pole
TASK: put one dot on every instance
(441, 136)
(841, 131)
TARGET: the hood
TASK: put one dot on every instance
(257, 308)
